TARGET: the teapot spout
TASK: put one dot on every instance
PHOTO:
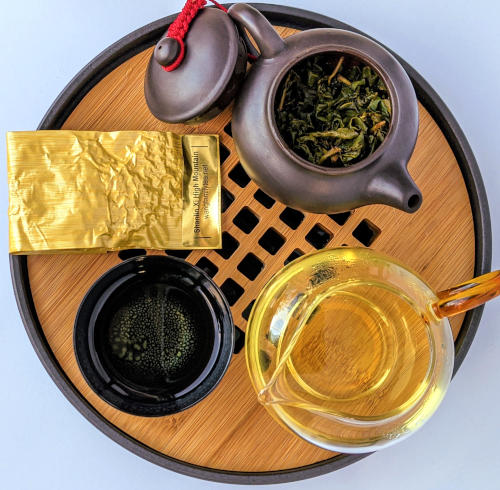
(396, 188)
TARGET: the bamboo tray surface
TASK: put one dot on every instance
(229, 436)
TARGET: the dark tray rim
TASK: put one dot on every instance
(66, 102)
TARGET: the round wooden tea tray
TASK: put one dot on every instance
(228, 436)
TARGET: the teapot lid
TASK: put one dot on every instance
(189, 91)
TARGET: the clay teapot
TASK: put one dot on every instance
(184, 95)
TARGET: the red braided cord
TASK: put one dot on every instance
(219, 6)
(180, 26)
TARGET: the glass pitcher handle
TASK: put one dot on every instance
(467, 295)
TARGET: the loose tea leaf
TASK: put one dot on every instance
(333, 110)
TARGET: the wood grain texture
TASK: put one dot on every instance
(229, 430)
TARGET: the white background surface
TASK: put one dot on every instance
(47, 444)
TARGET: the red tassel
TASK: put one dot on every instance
(180, 26)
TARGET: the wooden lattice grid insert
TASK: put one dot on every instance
(268, 219)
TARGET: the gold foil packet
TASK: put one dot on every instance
(91, 191)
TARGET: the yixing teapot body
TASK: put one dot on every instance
(382, 177)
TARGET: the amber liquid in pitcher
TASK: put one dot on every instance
(346, 347)
(361, 350)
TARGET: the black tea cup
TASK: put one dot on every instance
(153, 336)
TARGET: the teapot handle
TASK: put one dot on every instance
(268, 40)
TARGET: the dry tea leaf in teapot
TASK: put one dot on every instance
(333, 110)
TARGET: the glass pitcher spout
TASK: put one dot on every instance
(268, 396)
(271, 395)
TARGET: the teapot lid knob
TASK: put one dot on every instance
(166, 51)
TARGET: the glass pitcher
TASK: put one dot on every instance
(353, 351)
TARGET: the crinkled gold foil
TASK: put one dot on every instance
(90, 191)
